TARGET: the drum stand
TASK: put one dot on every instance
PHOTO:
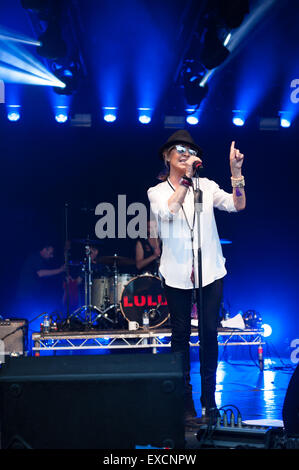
(88, 308)
(115, 288)
(115, 305)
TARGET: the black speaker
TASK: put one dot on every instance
(290, 411)
(92, 402)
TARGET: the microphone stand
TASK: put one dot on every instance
(198, 208)
(66, 261)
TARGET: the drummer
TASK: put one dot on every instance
(148, 251)
(97, 268)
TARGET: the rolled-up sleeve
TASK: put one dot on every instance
(159, 204)
(222, 200)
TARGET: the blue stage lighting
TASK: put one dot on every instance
(145, 115)
(109, 117)
(61, 113)
(285, 122)
(267, 330)
(192, 120)
(61, 117)
(144, 119)
(238, 121)
(239, 117)
(109, 114)
(13, 113)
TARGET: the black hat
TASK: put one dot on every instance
(180, 137)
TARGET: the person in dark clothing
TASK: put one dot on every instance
(147, 252)
(40, 284)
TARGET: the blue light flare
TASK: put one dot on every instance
(145, 115)
(285, 119)
(13, 112)
(285, 122)
(19, 66)
(192, 115)
(61, 114)
(110, 113)
(238, 117)
(192, 120)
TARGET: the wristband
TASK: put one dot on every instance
(186, 181)
(238, 182)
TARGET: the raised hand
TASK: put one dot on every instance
(236, 159)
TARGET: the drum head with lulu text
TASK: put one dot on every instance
(144, 292)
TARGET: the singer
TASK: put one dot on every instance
(172, 204)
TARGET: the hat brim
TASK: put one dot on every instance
(177, 142)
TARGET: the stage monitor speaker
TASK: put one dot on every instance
(290, 411)
(13, 333)
(92, 402)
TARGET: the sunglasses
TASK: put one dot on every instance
(182, 149)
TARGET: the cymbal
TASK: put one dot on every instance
(87, 241)
(118, 260)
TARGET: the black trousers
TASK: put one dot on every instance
(180, 304)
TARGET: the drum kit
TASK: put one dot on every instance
(112, 301)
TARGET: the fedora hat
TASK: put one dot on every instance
(180, 137)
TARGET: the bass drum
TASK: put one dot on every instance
(144, 292)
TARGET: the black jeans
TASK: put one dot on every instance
(180, 303)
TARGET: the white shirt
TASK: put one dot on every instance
(177, 257)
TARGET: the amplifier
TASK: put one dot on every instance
(13, 334)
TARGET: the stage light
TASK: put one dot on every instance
(238, 121)
(13, 113)
(285, 119)
(238, 118)
(61, 118)
(227, 39)
(19, 66)
(110, 114)
(267, 330)
(285, 122)
(144, 119)
(61, 115)
(13, 116)
(69, 75)
(192, 120)
(145, 115)
(109, 117)
(214, 52)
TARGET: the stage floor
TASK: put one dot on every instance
(257, 394)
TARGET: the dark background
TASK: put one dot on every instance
(45, 165)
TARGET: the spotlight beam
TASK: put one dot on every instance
(21, 64)
(233, 41)
(29, 42)
(30, 70)
(19, 76)
(6, 35)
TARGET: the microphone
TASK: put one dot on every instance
(197, 167)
